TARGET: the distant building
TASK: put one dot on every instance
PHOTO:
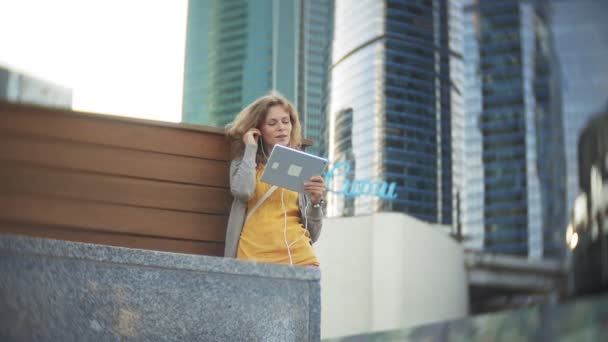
(18, 87)
(238, 50)
(390, 111)
(579, 30)
(511, 146)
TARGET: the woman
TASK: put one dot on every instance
(280, 226)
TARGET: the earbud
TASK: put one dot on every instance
(263, 149)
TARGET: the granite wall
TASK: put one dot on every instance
(53, 290)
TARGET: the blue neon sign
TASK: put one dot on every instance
(360, 187)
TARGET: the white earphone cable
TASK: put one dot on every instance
(285, 228)
(305, 226)
(287, 244)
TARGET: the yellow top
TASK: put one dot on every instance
(278, 219)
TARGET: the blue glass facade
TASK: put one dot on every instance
(217, 59)
(511, 151)
(238, 50)
(227, 51)
(503, 127)
(579, 30)
(413, 112)
(356, 89)
(391, 71)
(196, 66)
(550, 149)
(315, 58)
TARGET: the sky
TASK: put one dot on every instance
(122, 57)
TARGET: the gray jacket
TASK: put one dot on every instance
(242, 186)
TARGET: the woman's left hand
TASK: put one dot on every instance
(316, 188)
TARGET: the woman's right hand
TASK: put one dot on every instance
(251, 136)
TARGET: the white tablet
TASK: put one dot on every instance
(289, 168)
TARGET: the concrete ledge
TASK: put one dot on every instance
(64, 291)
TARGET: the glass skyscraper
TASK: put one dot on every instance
(579, 29)
(549, 123)
(316, 32)
(19, 87)
(467, 139)
(390, 82)
(238, 50)
(511, 149)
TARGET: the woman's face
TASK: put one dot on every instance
(276, 128)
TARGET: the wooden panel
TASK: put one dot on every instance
(98, 216)
(112, 160)
(19, 178)
(112, 239)
(168, 138)
(47, 110)
(113, 180)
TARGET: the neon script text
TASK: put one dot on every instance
(360, 187)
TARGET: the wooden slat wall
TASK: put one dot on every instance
(113, 180)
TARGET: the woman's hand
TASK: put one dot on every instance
(251, 136)
(316, 188)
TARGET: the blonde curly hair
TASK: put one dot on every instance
(253, 116)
